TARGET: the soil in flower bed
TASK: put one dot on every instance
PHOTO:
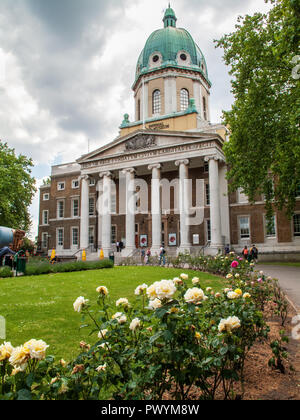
(261, 381)
(264, 383)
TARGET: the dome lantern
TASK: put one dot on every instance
(170, 18)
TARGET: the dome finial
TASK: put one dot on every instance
(170, 17)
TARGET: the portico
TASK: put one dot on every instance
(160, 160)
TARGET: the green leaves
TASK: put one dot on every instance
(17, 188)
(264, 145)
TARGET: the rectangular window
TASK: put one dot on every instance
(60, 237)
(60, 209)
(296, 220)
(75, 237)
(92, 182)
(113, 234)
(46, 197)
(45, 240)
(45, 217)
(91, 235)
(207, 194)
(270, 227)
(75, 183)
(244, 227)
(91, 206)
(208, 231)
(298, 191)
(206, 167)
(75, 207)
(60, 186)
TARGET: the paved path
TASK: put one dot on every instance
(289, 280)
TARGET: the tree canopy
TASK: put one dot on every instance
(17, 188)
(263, 152)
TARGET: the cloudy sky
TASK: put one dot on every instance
(67, 67)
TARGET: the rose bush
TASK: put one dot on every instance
(173, 337)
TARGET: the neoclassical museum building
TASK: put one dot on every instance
(163, 179)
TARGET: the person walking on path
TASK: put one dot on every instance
(147, 257)
(245, 252)
(254, 253)
(162, 256)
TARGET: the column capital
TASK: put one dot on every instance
(128, 170)
(154, 166)
(107, 174)
(182, 162)
(214, 157)
(83, 177)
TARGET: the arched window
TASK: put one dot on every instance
(139, 110)
(156, 102)
(204, 109)
(184, 99)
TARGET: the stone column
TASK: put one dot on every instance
(130, 211)
(215, 213)
(106, 213)
(84, 213)
(155, 208)
(184, 201)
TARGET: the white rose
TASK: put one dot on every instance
(6, 350)
(232, 295)
(177, 280)
(151, 291)
(79, 303)
(135, 323)
(140, 289)
(184, 276)
(229, 324)
(101, 368)
(102, 333)
(119, 317)
(195, 280)
(155, 304)
(122, 302)
(102, 290)
(165, 289)
(194, 295)
(37, 349)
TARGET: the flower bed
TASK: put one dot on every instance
(175, 338)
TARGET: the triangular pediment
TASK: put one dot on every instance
(143, 140)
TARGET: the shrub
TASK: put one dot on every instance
(5, 272)
(175, 337)
(46, 267)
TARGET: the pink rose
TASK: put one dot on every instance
(234, 264)
(259, 280)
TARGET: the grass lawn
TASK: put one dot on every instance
(41, 307)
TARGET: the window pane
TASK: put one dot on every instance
(113, 234)
(270, 227)
(75, 208)
(156, 102)
(207, 194)
(297, 225)
(184, 99)
(208, 230)
(91, 206)
(75, 236)
(91, 236)
(60, 209)
(244, 227)
(60, 237)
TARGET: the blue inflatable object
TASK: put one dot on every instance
(6, 251)
(6, 236)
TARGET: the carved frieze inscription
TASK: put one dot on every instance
(151, 153)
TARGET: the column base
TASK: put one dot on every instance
(155, 250)
(184, 249)
(106, 252)
(128, 251)
(214, 249)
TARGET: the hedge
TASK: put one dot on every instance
(46, 268)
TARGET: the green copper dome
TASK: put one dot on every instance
(171, 47)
